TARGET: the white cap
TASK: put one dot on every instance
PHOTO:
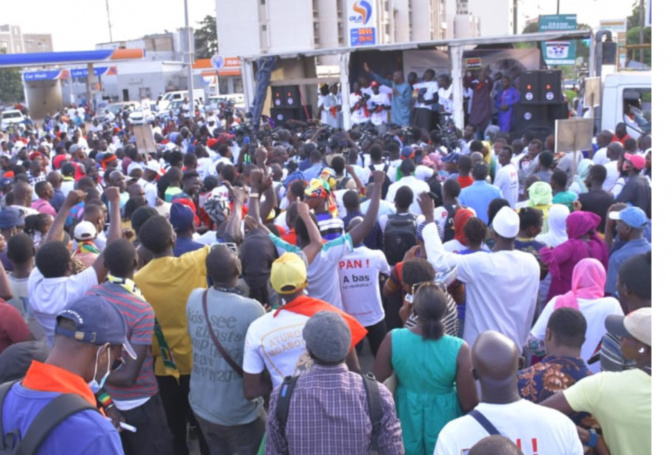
(134, 165)
(153, 165)
(85, 230)
(506, 223)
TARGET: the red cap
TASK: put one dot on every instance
(374, 84)
(636, 160)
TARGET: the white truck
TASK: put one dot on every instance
(179, 95)
(627, 97)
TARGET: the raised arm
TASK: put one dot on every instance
(312, 249)
(359, 232)
(435, 254)
(114, 232)
(56, 230)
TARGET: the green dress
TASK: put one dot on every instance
(426, 392)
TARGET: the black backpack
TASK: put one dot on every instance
(387, 181)
(448, 231)
(399, 237)
(372, 396)
(59, 409)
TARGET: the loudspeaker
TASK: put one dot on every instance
(525, 115)
(529, 87)
(550, 87)
(286, 97)
(557, 112)
(281, 115)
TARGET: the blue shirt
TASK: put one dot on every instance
(400, 104)
(617, 258)
(478, 196)
(313, 171)
(84, 433)
(184, 245)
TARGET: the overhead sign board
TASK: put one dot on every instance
(362, 22)
(558, 52)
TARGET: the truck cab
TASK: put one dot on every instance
(627, 97)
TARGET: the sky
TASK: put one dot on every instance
(79, 25)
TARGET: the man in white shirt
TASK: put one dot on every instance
(359, 274)
(358, 107)
(425, 117)
(378, 105)
(506, 178)
(614, 152)
(445, 94)
(602, 140)
(417, 186)
(535, 428)
(501, 287)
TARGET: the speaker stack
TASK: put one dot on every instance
(541, 103)
(286, 105)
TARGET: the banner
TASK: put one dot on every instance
(558, 52)
(362, 22)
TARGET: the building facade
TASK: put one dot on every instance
(14, 41)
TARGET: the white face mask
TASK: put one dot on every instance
(94, 385)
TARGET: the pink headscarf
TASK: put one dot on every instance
(589, 279)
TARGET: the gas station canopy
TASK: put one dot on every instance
(69, 58)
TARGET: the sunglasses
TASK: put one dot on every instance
(410, 297)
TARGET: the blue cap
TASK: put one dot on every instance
(97, 321)
(631, 216)
(451, 158)
(406, 152)
(10, 217)
(181, 217)
(5, 181)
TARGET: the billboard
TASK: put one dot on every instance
(558, 52)
(362, 22)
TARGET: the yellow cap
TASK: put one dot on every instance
(289, 274)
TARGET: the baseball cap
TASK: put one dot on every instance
(97, 321)
(289, 274)
(637, 161)
(374, 84)
(631, 216)
(506, 223)
(327, 336)
(153, 165)
(85, 230)
(10, 217)
(6, 181)
(637, 325)
(451, 158)
(181, 217)
(407, 151)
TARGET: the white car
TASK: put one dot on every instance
(11, 117)
(137, 117)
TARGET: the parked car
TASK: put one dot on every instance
(11, 117)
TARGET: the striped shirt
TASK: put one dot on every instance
(139, 317)
(329, 227)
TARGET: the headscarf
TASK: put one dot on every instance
(582, 171)
(540, 193)
(461, 217)
(321, 189)
(556, 234)
(580, 223)
(589, 279)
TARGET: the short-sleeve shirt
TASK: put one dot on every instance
(166, 284)
(139, 317)
(622, 404)
(50, 296)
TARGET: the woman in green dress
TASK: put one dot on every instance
(433, 371)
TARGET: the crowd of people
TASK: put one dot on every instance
(220, 291)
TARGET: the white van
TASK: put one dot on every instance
(179, 95)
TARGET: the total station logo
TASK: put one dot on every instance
(364, 10)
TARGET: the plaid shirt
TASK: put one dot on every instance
(328, 415)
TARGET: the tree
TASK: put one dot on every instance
(634, 34)
(11, 85)
(206, 38)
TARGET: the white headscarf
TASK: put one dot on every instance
(556, 234)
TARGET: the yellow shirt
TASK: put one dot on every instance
(166, 284)
(622, 404)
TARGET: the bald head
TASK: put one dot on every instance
(495, 444)
(495, 362)
(23, 194)
(223, 266)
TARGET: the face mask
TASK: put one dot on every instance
(94, 385)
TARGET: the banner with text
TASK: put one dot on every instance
(558, 52)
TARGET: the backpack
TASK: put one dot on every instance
(387, 181)
(59, 409)
(342, 183)
(399, 237)
(448, 230)
(372, 396)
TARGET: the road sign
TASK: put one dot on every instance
(558, 52)
(217, 61)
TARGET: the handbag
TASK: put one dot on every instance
(227, 357)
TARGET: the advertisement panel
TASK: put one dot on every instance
(558, 52)
(362, 23)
